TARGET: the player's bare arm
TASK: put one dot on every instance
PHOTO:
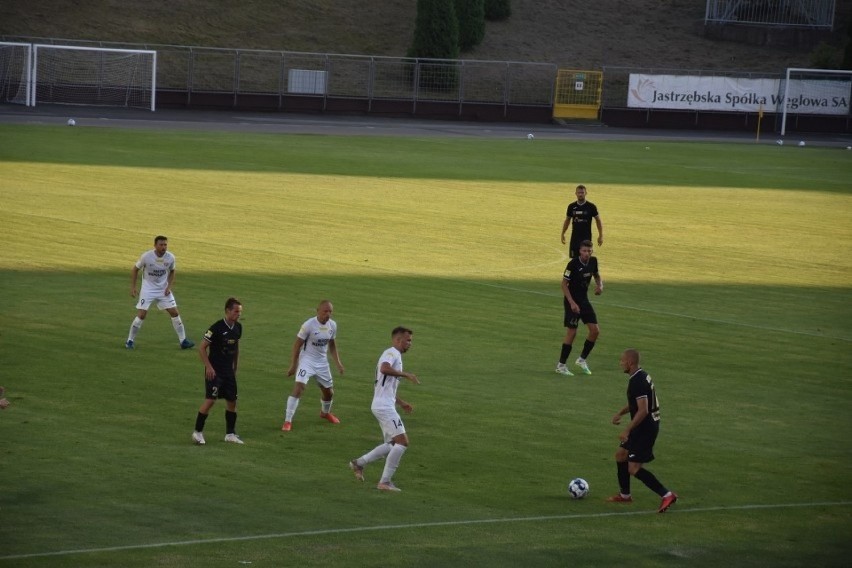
(565, 225)
(171, 281)
(387, 369)
(598, 285)
(294, 356)
(616, 419)
(335, 356)
(641, 413)
(209, 372)
(599, 223)
(133, 275)
(404, 405)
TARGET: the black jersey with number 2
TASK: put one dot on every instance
(224, 343)
(640, 385)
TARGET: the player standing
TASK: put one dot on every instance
(575, 291)
(637, 439)
(222, 340)
(388, 374)
(581, 213)
(158, 276)
(314, 342)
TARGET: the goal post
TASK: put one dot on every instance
(16, 61)
(94, 76)
(814, 92)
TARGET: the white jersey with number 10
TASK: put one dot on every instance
(384, 393)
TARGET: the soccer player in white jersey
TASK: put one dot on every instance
(158, 276)
(388, 375)
(314, 342)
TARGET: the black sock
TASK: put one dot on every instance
(199, 422)
(587, 348)
(566, 351)
(651, 481)
(230, 422)
(623, 478)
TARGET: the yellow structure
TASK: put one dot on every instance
(578, 94)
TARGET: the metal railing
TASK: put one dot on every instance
(797, 13)
(280, 73)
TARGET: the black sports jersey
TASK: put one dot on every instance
(224, 343)
(579, 276)
(640, 385)
(581, 221)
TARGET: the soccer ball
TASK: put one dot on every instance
(530, 136)
(801, 143)
(578, 488)
(779, 142)
(71, 122)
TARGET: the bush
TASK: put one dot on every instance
(498, 9)
(436, 30)
(825, 57)
(471, 18)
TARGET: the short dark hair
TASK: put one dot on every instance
(581, 186)
(400, 330)
(231, 302)
(159, 238)
(586, 243)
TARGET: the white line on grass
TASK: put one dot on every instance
(323, 532)
(674, 314)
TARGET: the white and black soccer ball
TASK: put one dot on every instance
(72, 122)
(530, 136)
(578, 488)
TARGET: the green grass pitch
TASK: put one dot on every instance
(727, 265)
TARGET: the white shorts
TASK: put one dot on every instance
(390, 422)
(308, 369)
(163, 302)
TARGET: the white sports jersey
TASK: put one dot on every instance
(384, 392)
(155, 272)
(316, 336)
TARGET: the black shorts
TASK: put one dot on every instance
(587, 313)
(640, 444)
(221, 387)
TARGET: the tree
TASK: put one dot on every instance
(498, 9)
(471, 18)
(436, 30)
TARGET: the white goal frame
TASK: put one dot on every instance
(42, 47)
(786, 93)
(26, 75)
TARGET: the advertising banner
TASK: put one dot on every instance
(737, 94)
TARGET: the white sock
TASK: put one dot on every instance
(177, 323)
(392, 462)
(292, 405)
(326, 406)
(134, 328)
(375, 454)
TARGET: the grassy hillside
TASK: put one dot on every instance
(570, 34)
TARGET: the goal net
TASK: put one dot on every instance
(813, 92)
(15, 66)
(94, 76)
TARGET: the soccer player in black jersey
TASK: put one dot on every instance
(581, 213)
(575, 291)
(637, 439)
(222, 341)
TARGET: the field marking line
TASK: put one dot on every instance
(323, 532)
(674, 314)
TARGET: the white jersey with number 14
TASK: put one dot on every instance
(384, 392)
